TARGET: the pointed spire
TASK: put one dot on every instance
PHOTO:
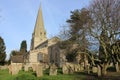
(39, 26)
(39, 34)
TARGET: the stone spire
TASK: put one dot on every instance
(39, 34)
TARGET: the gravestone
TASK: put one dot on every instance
(76, 67)
(10, 69)
(70, 70)
(34, 67)
(26, 68)
(19, 66)
(14, 69)
(53, 70)
(81, 67)
(94, 69)
(65, 69)
(39, 70)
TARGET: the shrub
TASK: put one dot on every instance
(30, 69)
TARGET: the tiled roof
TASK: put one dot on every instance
(17, 59)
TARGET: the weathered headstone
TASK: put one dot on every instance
(94, 69)
(39, 70)
(19, 66)
(25, 68)
(14, 69)
(64, 69)
(34, 67)
(70, 70)
(76, 67)
(10, 69)
(81, 67)
(53, 70)
(71, 67)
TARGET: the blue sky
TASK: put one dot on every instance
(17, 18)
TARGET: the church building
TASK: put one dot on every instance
(42, 49)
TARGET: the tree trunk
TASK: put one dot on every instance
(99, 73)
(104, 71)
(88, 68)
(117, 67)
(85, 63)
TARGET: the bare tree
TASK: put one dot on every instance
(105, 28)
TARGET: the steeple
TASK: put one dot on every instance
(39, 34)
(39, 26)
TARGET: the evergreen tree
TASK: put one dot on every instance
(2, 51)
(23, 48)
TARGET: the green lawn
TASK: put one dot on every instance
(4, 75)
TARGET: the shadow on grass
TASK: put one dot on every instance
(93, 76)
(85, 73)
(46, 72)
(59, 71)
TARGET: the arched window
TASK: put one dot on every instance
(40, 57)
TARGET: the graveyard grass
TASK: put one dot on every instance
(4, 75)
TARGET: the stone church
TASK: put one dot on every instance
(42, 49)
(43, 52)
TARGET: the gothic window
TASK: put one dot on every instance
(40, 57)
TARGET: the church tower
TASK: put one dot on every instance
(39, 34)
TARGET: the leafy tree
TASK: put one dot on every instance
(23, 48)
(2, 51)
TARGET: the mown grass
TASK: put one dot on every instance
(4, 75)
(22, 75)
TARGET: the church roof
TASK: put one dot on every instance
(17, 59)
